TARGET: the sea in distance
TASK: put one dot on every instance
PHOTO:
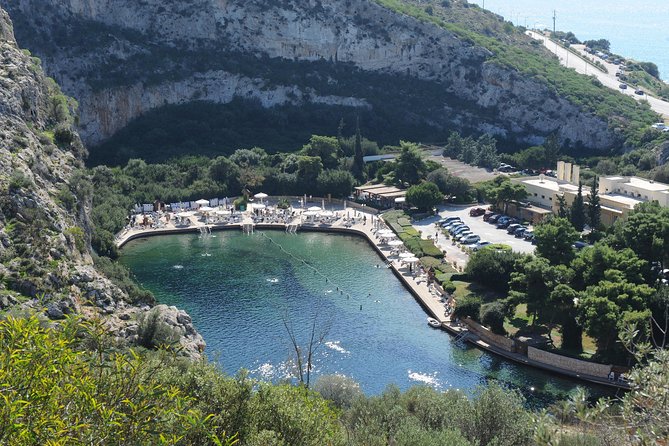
(636, 29)
(242, 291)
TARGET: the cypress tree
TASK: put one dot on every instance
(563, 212)
(595, 208)
(358, 162)
(578, 210)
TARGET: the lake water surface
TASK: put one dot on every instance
(239, 289)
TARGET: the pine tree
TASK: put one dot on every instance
(578, 210)
(358, 162)
(595, 208)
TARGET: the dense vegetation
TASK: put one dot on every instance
(598, 290)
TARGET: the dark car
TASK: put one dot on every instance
(476, 212)
(493, 218)
(511, 229)
(529, 235)
(623, 86)
(487, 215)
(580, 245)
(520, 232)
(639, 92)
(504, 223)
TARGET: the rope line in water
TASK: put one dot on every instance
(316, 270)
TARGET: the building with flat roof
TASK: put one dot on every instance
(617, 194)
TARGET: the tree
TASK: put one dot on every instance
(554, 239)
(646, 232)
(338, 183)
(531, 283)
(508, 192)
(469, 306)
(492, 268)
(225, 173)
(486, 155)
(308, 169)
(424, 196)
(325, 147)
(599, 44)
(492, 315)
(578, 210)
(594, 206)
(562, 302)
(409, 167)
(532, 158)
(455, 187)
(563, 211)
(358, 163)
(454, 146)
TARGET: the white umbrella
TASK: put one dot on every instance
(386, 233)
(222, 213)
(202, 202)
(258, 206)
(327, 214)
(314, 209)
(206, 209)
(411, 259)
(395, 243)
(260, 195)
(310, 213)
(406, 255)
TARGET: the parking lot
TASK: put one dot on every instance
(487, 232)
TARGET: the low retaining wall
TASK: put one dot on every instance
(571, 364)
(486, 335)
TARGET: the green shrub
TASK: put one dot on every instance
(154, 332)
(492, 315)
(404, 222)
(469, 306)
(447, 285)
(427, 246)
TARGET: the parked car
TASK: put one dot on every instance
(638, 91)
(511, 229)
(504, 224)
(659, 125)
(463, 234)
(520, 232)
(480, 245)
(460, 230)
(623, 86)
(487, 215)
(451, 222)
(580, 245)
(529, 236)
(494, 218)
(476, 212)
(470, 239)
(448, 219)
(454, 227)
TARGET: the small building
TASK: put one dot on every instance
(380, 195)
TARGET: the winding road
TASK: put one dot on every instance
(609, 79)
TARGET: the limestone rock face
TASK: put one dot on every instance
(141, 55)
(45, 260)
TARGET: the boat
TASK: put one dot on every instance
(433, 322)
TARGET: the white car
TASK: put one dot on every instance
(659, 126)
(480, 245)
(471, 238)
(461, 236)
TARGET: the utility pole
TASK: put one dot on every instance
(554, 22)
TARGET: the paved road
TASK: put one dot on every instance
(486, 231)
(608, 79)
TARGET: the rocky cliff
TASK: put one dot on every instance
(122, 58)
(45, 260)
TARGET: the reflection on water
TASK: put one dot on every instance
(243, 294)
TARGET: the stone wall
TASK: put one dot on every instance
(566, 363)
(491, 338)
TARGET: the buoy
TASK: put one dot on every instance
(360, 307)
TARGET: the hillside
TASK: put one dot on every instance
(407, 70)
(45, 259)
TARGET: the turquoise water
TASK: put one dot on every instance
(636, 29)
(239, 289)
